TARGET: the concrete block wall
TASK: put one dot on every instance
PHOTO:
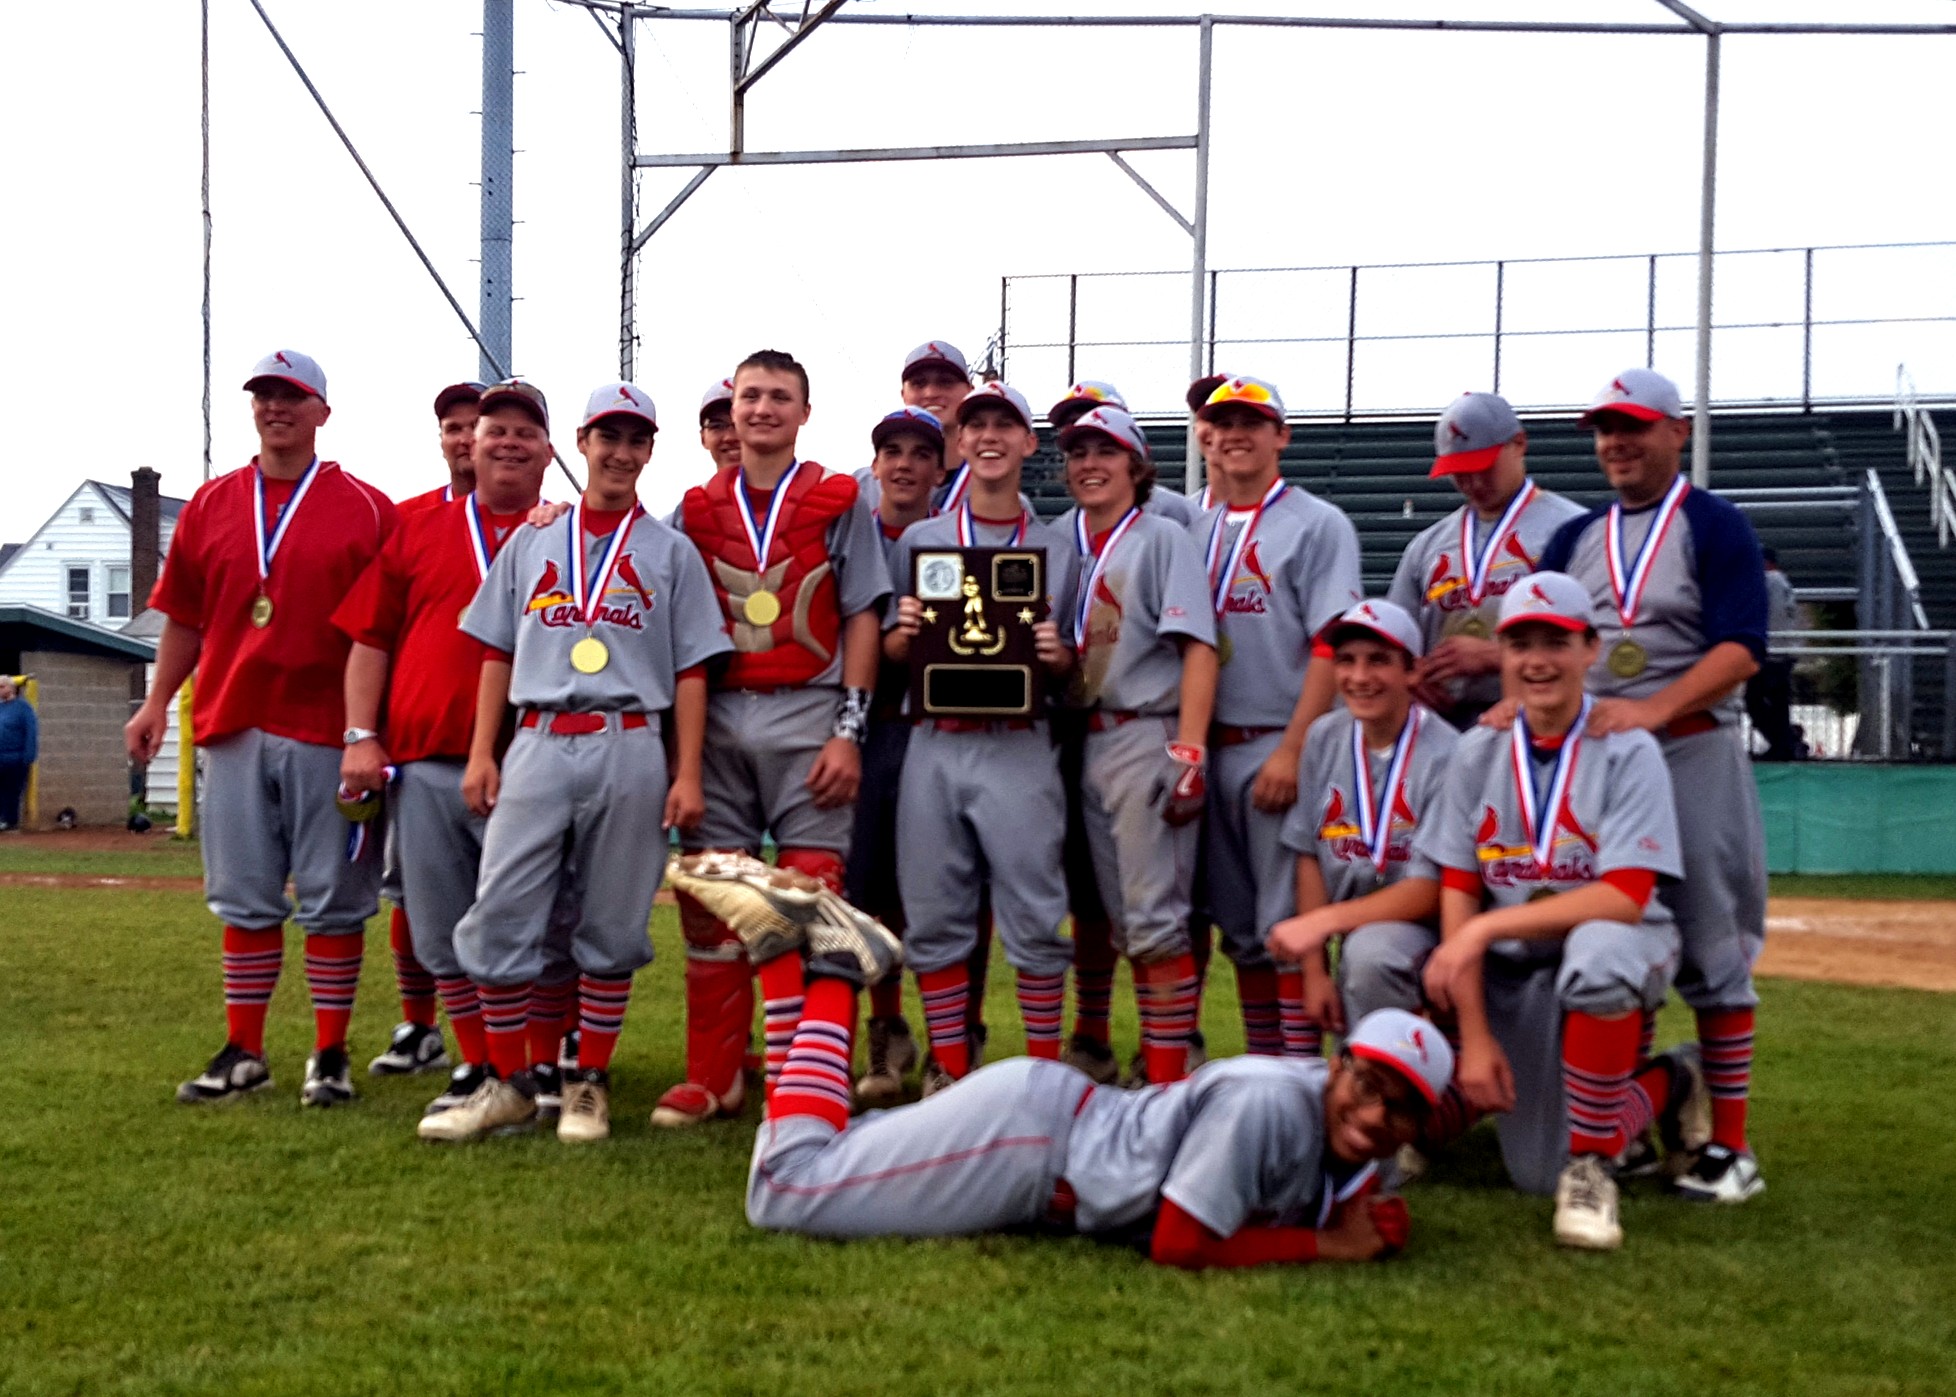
(83, 704)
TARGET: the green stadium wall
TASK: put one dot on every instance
(1851, 817)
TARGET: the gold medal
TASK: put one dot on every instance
(589, 655)
(762, 608)
(1474, 628)
(1627, 659)
(1225, 649)
(261, 611)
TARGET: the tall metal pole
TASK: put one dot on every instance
(1701, 419)
(206, 72)
(628, 195)
(498, 147)
(1197, 468)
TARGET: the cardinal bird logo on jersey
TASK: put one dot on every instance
(1489, 826)
(630, 575)
(1514, 549)
(1334, 824)
(549, 590)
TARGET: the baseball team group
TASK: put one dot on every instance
(1472, 832)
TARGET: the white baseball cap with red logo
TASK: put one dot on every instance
(720, 392)
(995, 392)
(302, 371)
(1644, 394)
(1387, 621)
(1111, 422)
(1408, 1044)
(1553, 598)
(936, 352)
(619, 400)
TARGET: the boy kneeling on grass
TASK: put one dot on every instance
(1248, 1161)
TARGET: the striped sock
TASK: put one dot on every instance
(781, 1009)
(1598, 1056)
(464, 1008)
(505, 1018)
(1725, 1040)
(416, 984)
(252, 960)
(1303, 1035)
(815, 1077)
(1256, 987)
(1647, 1037)
(946, 994)
(601, 1003)
(1042, 1004)
(549, 1006)
(1164, 992)
(1094, 958)
(332, 974)
(1645, 1099)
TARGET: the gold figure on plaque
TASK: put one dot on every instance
(975, 636)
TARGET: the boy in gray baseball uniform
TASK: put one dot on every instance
(1247, 1162)
(591, 627)
(1371, 771)
(1140, 699)
(981, 803)
(1550, 841)
(1452, 576)
(1282, 566)
(1680, 592)
(908, 468)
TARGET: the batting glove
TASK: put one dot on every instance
(1187, 792)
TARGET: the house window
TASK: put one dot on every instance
(118, 593)
(85, 513)
(77, 594)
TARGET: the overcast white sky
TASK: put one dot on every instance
(1329, 148)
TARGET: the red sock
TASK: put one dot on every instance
(1042, 1003)
(815, 1077)
(1164, 992)
(464, 1008)
(886, 997)
(601, 1003)
(782, 1003)
(1256, 988)
(505, 1017)
(1647, 1036)
(251, 964)
(1093, 977)
(332, 974)
(945, 1016)
(549, 1005)
(1649, 1094)
(417, 985)
(1725, 1040)
(1598, 1056)
(1303, 1035)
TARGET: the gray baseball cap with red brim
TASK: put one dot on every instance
(1644, 394)
(1471, 433)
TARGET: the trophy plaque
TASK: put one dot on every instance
(975, 656)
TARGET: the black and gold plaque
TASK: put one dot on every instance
(975, 656)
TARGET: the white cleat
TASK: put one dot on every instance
(1585, 1206)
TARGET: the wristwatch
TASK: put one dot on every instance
(353, 735)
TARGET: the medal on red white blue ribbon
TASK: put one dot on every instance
(1477, 563)
(267, 547)
(1221, 574)
(1375, 811)
(1099, 566)
(968, 528)
(1538, 815)
(762, 607)
(1627, 659)
(590, 654)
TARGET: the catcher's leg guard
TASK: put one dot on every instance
(719, 1021)
(824, 864)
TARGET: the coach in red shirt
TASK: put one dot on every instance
(259, 559)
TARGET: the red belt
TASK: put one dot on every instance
(982, 724)
(1222, 735)
(1689, 724)
(1104, 719)
(580, 724)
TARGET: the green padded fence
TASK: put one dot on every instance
(1851, 817)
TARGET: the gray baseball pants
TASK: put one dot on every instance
(1144, 866)
(1720, 903)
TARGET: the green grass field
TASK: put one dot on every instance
(147, 1247)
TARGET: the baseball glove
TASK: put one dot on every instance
(769, 908)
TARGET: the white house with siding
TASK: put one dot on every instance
(77, 563)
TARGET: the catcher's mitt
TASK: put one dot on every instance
(769, 908)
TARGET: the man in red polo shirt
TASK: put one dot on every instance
(415, 1045)
(411, 660)
(259, 559)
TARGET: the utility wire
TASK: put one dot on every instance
(489, 357)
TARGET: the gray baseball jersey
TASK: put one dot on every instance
(657, 617)
(1296, 574)
(1173, 506)
(1704, 583)
(1434, 584)
(1325, 823)
(1241, 1141)
(1147, 592)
